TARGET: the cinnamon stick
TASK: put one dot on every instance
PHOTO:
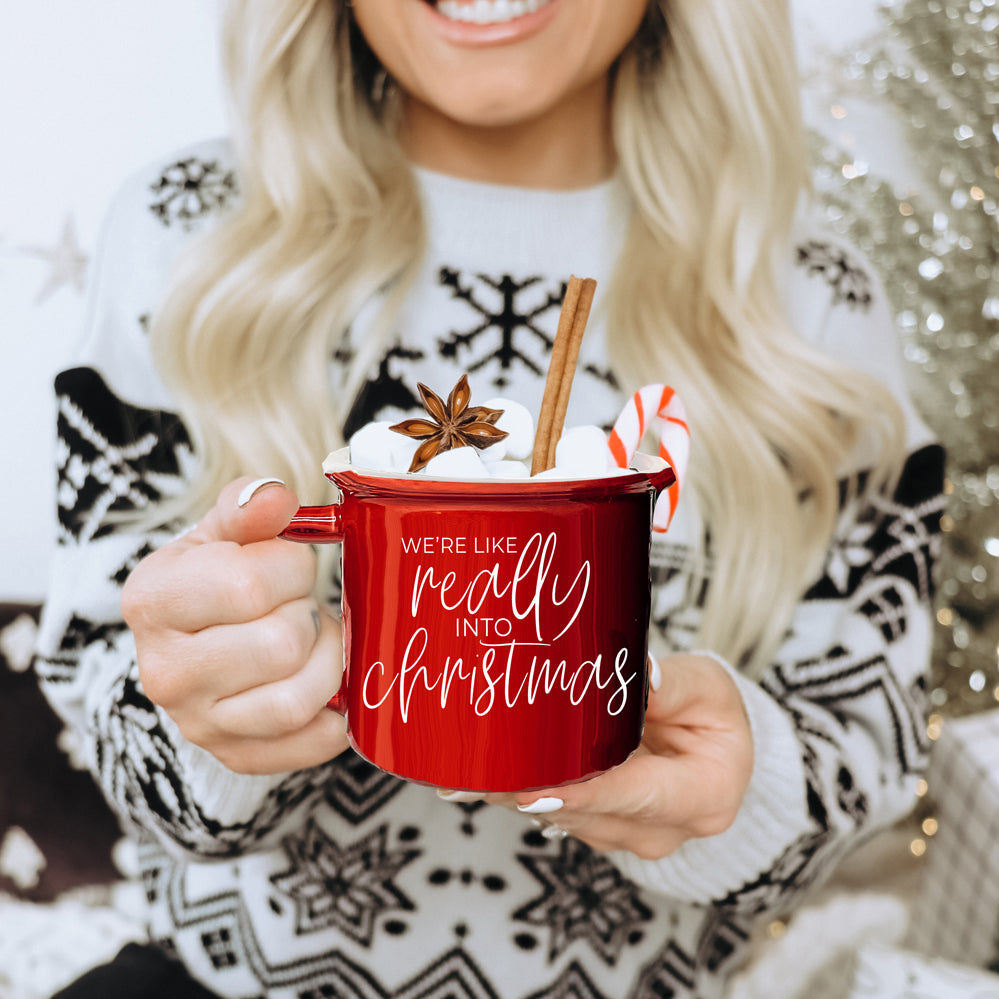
(561, 369)
(586, 291)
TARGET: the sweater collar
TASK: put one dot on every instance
(577, 231)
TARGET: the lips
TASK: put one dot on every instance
(487, 11)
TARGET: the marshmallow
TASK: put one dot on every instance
(557, 473)
(377, 447)
(583, 451)
(518, 423)
(458, 463)
(564, 475)
(508, 470)
(494, 454)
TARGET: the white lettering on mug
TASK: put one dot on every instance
(368, 703)
(528, 592)
(405, 694)
(459, 546)
(621, 694)
(544, 677)
(499, 673)
(484, 627)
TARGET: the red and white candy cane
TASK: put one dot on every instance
(660, 406)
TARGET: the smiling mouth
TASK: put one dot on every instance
(486, 11)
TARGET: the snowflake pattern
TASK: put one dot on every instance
(112, 457)
(850, 284)
(892, 536)
(191, 189)
(848, 553)
(584, 897)
(507, 320)
(345, 887)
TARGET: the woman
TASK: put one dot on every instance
(416, 181)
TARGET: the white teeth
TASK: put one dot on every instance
(488, 11)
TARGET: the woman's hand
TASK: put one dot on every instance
(231, 642)
(686, 780)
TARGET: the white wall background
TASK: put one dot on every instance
(90, 90)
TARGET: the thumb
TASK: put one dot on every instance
(247, 510)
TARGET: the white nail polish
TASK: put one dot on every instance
(253, 488)
(542, 806)
(460, 796)
(655, 673)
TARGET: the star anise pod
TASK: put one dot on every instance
(452, 424)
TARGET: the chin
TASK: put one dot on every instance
(492, 106)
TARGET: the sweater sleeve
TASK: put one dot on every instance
(838, 720)
(120, 449)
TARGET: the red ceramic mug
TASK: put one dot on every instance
(495, 632)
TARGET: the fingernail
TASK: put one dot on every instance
(460, 796)
(554, 832)
(253, 488)
(655, 673)
(542, 806)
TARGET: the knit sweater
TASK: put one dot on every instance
(345, 881)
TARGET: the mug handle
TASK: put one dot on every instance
(315, 525)
(319, 525)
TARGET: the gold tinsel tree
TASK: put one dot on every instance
(935, 68)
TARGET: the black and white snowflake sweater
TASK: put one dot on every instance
(344, 881)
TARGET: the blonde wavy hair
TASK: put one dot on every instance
(710, 143)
